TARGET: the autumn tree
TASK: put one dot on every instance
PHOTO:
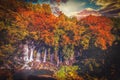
(95, 42)
(116, 28)
(40, 23)
(68, 35)
(43, 32)
(98, 30)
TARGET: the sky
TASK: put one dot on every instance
(69, 7)
(72, 6)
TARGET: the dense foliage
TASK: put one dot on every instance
(57, 39)
(68, 73)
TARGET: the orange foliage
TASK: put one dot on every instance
(101, 29)
(45, 25)
(40, 22)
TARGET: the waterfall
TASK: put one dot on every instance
(58, 62)
(38, 57)
(25, 56)
(25, 52)
(32, 47)
(45, 54)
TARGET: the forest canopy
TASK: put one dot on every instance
(57, 39)
(25, 22)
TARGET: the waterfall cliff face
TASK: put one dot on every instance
(39, 52)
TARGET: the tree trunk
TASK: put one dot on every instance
(60, 56)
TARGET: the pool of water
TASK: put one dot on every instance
(34, 75)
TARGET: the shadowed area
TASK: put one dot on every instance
(34, 75)
(40, 78)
